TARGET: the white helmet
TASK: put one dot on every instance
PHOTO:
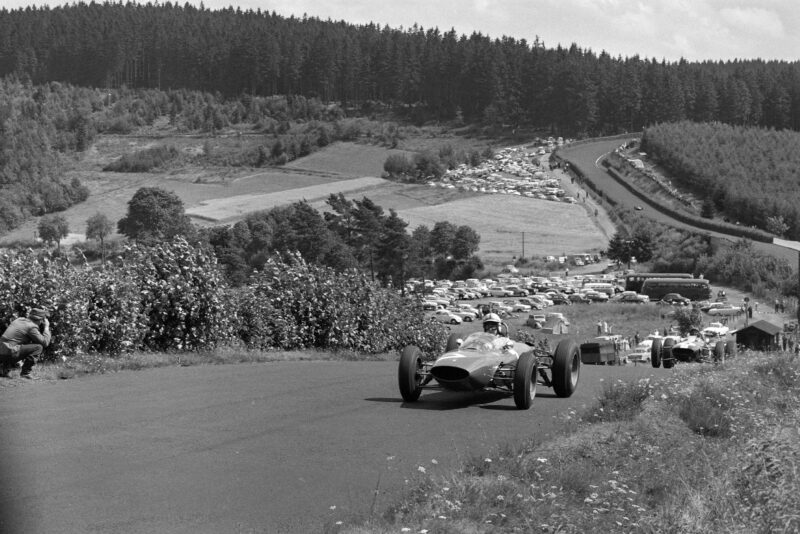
(491, 318)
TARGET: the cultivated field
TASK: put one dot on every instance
(222, 195)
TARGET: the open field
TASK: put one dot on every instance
(223, 195)
(504, 221)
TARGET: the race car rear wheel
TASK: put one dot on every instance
(409, 375)
(730, 348)
(453, 321)
(525, 378)
(566, 368)
(655, 353)
(453, 342)
(719, 351)
(666, 354)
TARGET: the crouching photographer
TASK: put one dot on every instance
(23, 341)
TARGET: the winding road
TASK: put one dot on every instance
(273, 447)
(587, 157)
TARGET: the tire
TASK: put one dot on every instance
(468, 319)
(666, 354)
(719, 351)
(730, 348)
(525, 378)
(566, 368)
(453, 342)
(655, 353)
(408, 376)
(453, 321)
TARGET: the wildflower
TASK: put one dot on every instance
(333, 507)
(434, 461)
(338, 522)
(488, 460)
(541, 460)
(421, 469)
(405, 529)
(500, 498)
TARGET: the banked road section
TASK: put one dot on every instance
(587, 156)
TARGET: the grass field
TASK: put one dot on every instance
(217, 195)
(505, 221)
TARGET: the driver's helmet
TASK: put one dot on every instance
(491, 323)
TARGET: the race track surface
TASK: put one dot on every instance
(587, 157)
(274, 447)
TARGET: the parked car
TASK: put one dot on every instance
(676, 299)
(500, 307)
(466, 316)
(715, 329)
(560, 299)
(534, 304)
(596, 296)
(469, 308)
(517, 291)
(430, 305)
(497, 291)
(633, 298)
(446, 316)
(517, 306)
(577, 298)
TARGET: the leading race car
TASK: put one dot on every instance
(694, 348)
(491, 361)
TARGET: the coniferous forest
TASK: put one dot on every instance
(429, 73)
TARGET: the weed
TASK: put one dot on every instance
(706, 409)
(619, 401)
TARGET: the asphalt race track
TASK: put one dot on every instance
(586, 156)
(273, 447)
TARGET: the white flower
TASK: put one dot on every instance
(421, 469)
(541, 460)
(333, 507)
(434, 461)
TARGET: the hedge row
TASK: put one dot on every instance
(173, 296)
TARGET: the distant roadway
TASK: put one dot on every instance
(587, 157)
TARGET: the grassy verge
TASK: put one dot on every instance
(706, 449)
(93, 364)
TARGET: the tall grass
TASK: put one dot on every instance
(706, 449)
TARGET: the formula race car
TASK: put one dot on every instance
(694, 348)
(486, 361)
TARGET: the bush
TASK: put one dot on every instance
(398, 166)
(144, 160)
(299, 305)
(182, 295)
(620, 401)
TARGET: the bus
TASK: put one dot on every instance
(692, 288)
(633, 281)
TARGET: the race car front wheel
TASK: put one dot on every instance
(409, 375)
(566, 368)
(525, 378)
(655, 353)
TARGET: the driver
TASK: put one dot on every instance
(491, 324)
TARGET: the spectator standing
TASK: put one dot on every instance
(23, 341)
(636, 339)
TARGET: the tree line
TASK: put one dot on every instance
(749, 175)
(427, 73)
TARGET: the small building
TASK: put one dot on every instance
(760, 335)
